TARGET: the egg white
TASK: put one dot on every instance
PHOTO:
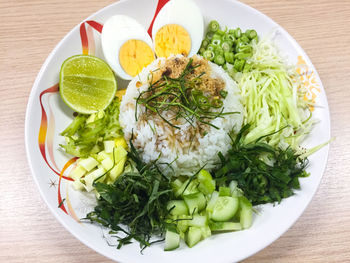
(185, 13)
(116, 31)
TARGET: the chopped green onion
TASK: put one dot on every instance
(244, 39)
(216, 42)
(217, 36)
(205, 42)
(211, 47)
(219, 59)
(239, 64)
(226, 46)
(242, 55)
(210, 35)
(246, 49)
(208, 55)
(231, 37)
(220, 32)
(229, 57)
(251, 34)
(214, 26)
(238, 32)
(219, 51)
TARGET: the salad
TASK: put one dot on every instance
(208, 127)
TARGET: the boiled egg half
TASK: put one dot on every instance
(178, 29)
(126, 46)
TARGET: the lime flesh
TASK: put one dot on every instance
(87, 83)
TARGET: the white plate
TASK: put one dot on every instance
(47, 116)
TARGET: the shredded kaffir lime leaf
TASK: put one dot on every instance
(137, 200)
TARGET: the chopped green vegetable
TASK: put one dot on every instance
(214, 26)
(86, 134)
(228, 46)
(136, 199)
(264, 173)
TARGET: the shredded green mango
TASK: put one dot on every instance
(85, 135)
(274, 99)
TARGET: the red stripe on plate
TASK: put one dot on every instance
(160, 4)
(95, 25)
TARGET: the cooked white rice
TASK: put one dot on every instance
(155, 139)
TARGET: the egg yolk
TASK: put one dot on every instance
(134, 55)
(172, 39)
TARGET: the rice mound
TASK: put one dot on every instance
(157, 140)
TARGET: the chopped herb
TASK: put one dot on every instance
(85, 135)
(264, 173)
(136, 199)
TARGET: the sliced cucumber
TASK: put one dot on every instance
(108, 145)
(88, 163)
(212, 201)
(182, 223)
(206, 182)
(103, 155)
(225, 208)
(206, 231)
(77, 172)
(120, 141)
(119, 153)
(235, 191)
(177, 207)
(193, 236)
(172, 240)
(224, 191)
(195, 202)
(107, 163)
(118, 169)
(225, 226)
(198, 221)
(233, 185)
(188, 187)
(246, 212)
(90, 178)
(78, 185)
(176, 184)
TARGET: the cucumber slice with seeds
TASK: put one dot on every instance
(225, 208)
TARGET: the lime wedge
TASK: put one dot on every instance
(87, 84)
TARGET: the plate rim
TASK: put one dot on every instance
(75, 233)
